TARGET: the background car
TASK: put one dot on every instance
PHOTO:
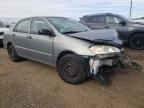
(9, 20)
(139, 20)
(3, 28)
(132, 33)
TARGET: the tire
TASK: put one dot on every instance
(72, 69)
(1, 43)
(12, 53)
(137, 41)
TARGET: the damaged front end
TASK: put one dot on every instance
(106, 59)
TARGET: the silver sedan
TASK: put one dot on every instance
(74, 49)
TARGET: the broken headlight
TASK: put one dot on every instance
(103, 49)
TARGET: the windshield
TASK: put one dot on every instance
(67, 26)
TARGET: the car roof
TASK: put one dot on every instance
(43, 17)
(90, 15)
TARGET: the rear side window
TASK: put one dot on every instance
(37, 25)
(96, 19)
(23, 26)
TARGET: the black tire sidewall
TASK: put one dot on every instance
(79, 61)
(1, 43)
(131, 44)
(15, 57)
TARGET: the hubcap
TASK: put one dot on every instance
(70, 69)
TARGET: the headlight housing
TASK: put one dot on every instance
(103, 49)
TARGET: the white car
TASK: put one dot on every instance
(139, 20)
(3, 28)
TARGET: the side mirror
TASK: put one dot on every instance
(45, 32)
(123, 23)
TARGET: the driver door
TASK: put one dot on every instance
(40, 46)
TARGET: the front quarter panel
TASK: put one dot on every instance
(66, 43)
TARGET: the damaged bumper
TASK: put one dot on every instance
(110, 60)
(97, 64)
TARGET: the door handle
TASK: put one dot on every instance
(13, 34)
(107, 27)
(29, 37)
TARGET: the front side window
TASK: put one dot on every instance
(23, 26)
(112, 20)
(96, 19)
(37, 25)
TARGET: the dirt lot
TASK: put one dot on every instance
(29, 84)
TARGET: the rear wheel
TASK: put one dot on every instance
(12, 53)
(71, 69)
(137, 41)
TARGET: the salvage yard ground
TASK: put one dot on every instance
(29, 84)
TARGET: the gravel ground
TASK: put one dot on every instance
(29, 84)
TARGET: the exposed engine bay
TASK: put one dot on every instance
(111, 61)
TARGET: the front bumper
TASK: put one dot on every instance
(110, 60)
(97, 66)
(106, 64)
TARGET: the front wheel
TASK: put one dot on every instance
(12, 53)
(71, 69)
(137, 41)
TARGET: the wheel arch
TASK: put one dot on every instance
(8, 44)
(134, 33)
(63, 54)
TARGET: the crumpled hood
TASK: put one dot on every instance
(102, 35)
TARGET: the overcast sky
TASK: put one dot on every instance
(68, 8)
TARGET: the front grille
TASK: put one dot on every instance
(115, 57)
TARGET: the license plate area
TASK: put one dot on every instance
(110, 62)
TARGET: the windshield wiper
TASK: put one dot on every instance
(71, 32)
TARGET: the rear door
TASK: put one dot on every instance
(40, 46)
(19, 36)
(96, 22)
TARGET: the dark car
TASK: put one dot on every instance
(132, 33)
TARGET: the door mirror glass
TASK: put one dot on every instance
(45, 32)
(123, 23)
